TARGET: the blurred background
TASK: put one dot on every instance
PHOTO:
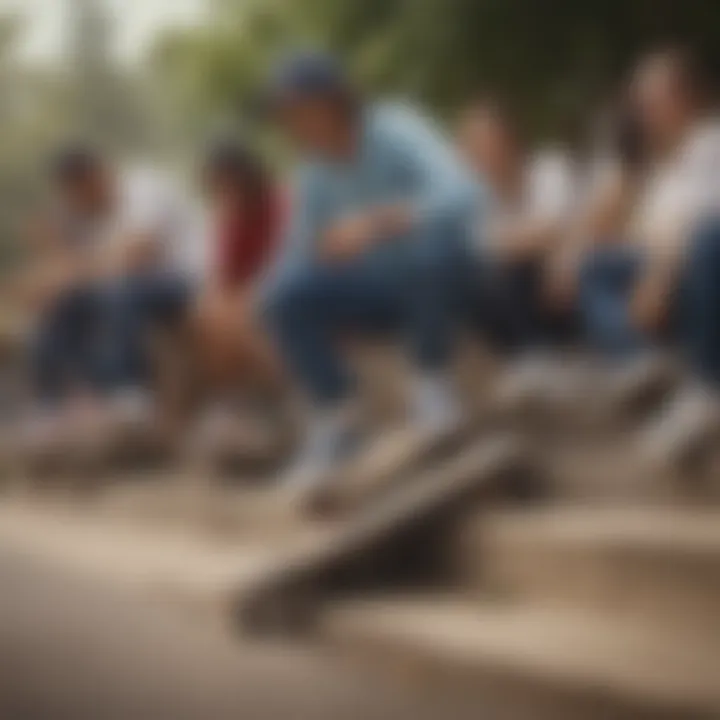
(155, 80)
(158, 76)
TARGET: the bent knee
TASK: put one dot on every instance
(705, 244)
(607, 265)
(295, 295)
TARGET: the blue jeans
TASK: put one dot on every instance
(64, 349)
(607, 281)
(420, 296)
(132, 307)
(609, 277)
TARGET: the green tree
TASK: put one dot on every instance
(551, 60)
(103, 99)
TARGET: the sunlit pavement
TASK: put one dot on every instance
(68, 650)
(72, 651)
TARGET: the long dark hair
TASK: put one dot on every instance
(628, 140)
(232, 161)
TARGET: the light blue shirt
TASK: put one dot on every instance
(402, 158)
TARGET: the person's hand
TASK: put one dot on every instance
(139, 251)
(349, 237)
(649, 304)
(42, 287)
(395, 219)
(561, 278)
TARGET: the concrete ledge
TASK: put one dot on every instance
(574, 665)
(365, 550)
(658, 567)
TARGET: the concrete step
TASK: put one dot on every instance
(655, 566)
(192, 570)
(186, 501)
(277, 570)
(399, 539)
(570, 665)
(194, 505)
(602, 469)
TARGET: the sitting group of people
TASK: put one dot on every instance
(390, 229)
(122, 257)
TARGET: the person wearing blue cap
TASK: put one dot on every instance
(377, 240)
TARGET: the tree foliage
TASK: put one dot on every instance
(552, 60)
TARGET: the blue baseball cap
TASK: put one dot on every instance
(302, 75)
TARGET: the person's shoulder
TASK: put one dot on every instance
(147, 181)
(395, 117)
(394, 110)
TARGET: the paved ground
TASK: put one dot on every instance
(71, 651)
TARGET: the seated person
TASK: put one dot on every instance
(245, 219)
(377, 241)
(666, 281)
(528, 200)
(56, 291)
(142, 262)
(609, 181)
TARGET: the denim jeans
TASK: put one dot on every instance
(419, 296)
(63, 350)
(608, 278)
(132, 308)
(607, 282)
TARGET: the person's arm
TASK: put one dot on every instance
(685, 201)
(601, 219)
(666, 240)
(540, 223)
(48, 266)
(298, 236)
(608, 212)
(442, 188)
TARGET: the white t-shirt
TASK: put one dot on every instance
(680, 192)
(152, 205)
(546, 196)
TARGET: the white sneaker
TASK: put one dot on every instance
(330, 442)
(685, 427)
(436, 418)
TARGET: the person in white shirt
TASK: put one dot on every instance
(664, 281)
(527, 202)
(140, 260)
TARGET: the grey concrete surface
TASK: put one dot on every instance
(73, 651)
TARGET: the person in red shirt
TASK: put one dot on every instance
(245, 214)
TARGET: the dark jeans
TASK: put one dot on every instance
(420, 296)
(510, 310)
(64, 349)
(608, 278)
(95, 336)
(132, 308)
(611, 274)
